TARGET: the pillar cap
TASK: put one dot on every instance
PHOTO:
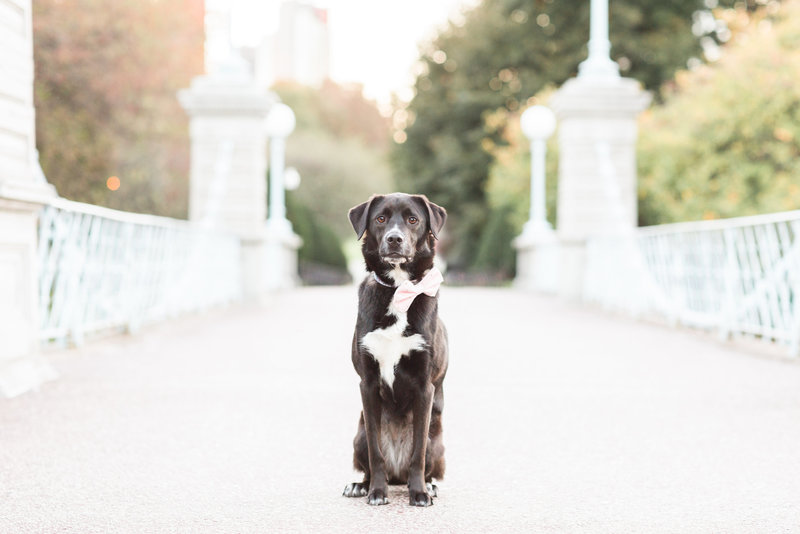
(600, 97)
(29, 193)
(211, 95)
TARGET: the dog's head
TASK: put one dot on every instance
(400, 229)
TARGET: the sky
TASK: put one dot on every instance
(373, 42)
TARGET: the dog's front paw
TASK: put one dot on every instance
(377, 496)
(356, 489)
(433, 489)
(419, 498)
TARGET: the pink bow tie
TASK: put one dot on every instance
(408, 291)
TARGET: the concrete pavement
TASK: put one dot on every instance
(557, 419)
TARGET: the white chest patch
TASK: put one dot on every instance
(388, 345)
(398, 275)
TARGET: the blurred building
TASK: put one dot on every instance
(299, 51)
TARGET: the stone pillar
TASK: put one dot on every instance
(229, 164)
(23, 191)
(597, 165)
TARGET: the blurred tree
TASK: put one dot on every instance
(106, 75)
(501, 55)
(321, 259)
(727, 141)
(340, 149)
(724, 143)
(508, 191)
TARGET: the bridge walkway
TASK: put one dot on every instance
(558, 418)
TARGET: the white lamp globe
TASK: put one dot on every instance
(280, 121)
(291, 179)
(538, 122)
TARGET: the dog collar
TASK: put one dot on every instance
(381, 282)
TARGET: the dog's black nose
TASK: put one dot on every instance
(394, 239)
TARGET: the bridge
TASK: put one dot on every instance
(558, 418)
(164, 375)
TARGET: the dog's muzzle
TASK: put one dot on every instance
(394, 247)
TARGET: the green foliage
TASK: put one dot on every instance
(320, 244)
(504, 53)
(339, 147)
(727, 141)
(106, 74)
(495, 253)
(341, 111)
(509, 184)
(508, 193)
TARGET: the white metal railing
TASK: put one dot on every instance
(104, 269)
(739, 276)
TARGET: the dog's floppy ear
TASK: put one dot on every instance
(437, 215)
(358, 216)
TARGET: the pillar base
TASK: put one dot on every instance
(21, 375)
(269, 262)
(21, 367)
(537, 259)
(572, 269)
(281, 247)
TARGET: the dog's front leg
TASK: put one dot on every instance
(371, 403)
(417, 493)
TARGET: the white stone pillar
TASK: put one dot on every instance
(23, 191)
(597, 113)
(597, 166)
(227, 186)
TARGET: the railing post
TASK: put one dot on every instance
(729, 277)
(23, 191)
(794, 289)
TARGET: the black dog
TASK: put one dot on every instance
(399, 349)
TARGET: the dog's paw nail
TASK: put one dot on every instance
(421, 498)
(377, 497)
(356, 489)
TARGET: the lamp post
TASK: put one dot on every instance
(279, 124)
(291, 179)
(281, 244)
(599, 63)
(538, 123)
(537, 246)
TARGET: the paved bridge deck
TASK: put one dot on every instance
(557, 419)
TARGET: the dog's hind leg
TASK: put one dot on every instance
(360, 462)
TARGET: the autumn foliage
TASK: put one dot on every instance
(727, 141)
(105, 88)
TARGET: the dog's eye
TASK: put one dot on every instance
(413, 220)
(381, 219)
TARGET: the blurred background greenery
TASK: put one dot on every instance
(721, 139)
